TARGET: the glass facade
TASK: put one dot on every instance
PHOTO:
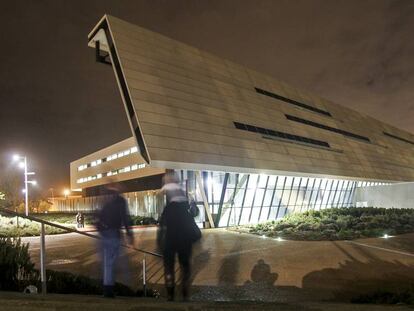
(238, 199)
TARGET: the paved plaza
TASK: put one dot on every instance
(229, 266)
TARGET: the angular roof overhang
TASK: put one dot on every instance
(182, 103)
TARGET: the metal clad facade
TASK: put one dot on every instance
(186, 102)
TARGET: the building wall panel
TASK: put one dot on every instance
(186, 101)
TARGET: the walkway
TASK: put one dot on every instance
(231, 266)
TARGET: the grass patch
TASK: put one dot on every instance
(337, 224)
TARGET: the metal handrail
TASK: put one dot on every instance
(48, 223)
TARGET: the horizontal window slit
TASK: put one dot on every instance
(287, 136)
(398, 138)
(327, 128)
(292, 102)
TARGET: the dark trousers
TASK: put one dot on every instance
(184, 258)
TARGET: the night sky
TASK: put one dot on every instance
(58, 105)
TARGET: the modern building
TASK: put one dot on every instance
(247, 146)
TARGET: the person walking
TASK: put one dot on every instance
(176, 235)
(111, 218)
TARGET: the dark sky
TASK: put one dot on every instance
(57, 104)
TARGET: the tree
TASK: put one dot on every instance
(10, 187)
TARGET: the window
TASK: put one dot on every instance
(109, 158)
(327, 128)
(399, 138)
(82, 167)
(292, 102)
(286, 136)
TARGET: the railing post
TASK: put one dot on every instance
(43, 259)
(144, 281)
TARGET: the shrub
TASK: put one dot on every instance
(17, 271)
(65, 218)
(9, 228)
(339, 224)
(16, 267)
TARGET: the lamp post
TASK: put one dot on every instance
(23, 165)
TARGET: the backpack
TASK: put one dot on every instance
(193, 209)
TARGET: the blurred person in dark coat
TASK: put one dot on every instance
(177, 233)
(111, 218)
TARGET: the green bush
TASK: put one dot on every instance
(9, 228)
(16, 268)
(65, 218)
(338, 224)
(17, 271)
(70, 218)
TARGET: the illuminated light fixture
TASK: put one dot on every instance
(23, 165)
(66, 192)
(386, 236)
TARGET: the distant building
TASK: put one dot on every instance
(247, 146)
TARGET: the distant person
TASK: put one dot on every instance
(80, 220)
(177, 233)
(111, 218)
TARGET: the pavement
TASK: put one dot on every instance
(228, 266)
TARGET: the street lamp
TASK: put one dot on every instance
(66, 192)
(23, 165)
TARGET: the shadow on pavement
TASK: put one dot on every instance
(354, 277)
(260, 287)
